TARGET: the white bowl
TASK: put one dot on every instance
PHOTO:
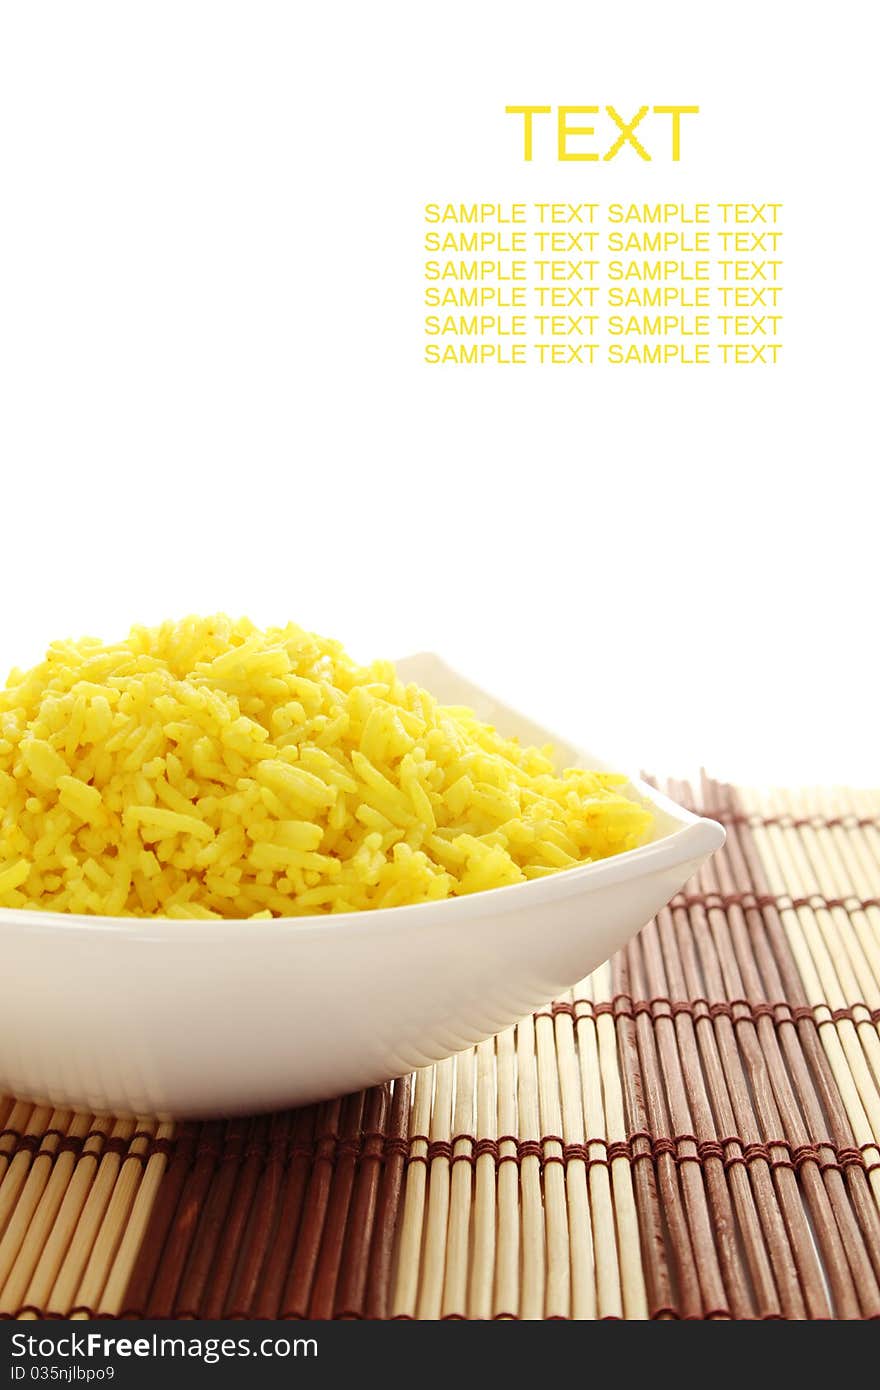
(203, 1018)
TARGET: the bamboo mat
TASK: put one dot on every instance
(693, 1132)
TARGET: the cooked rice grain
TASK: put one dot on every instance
(209, 769)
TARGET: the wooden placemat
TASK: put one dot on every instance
(693, 1132)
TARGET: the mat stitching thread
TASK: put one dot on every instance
(625, 1006)
(781, 901)
(777, 1153)
(789, 822)
(76, 1144)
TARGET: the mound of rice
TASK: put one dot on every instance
(209, 769)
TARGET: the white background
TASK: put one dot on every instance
(213, 396)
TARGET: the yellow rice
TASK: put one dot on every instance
(206, 768)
